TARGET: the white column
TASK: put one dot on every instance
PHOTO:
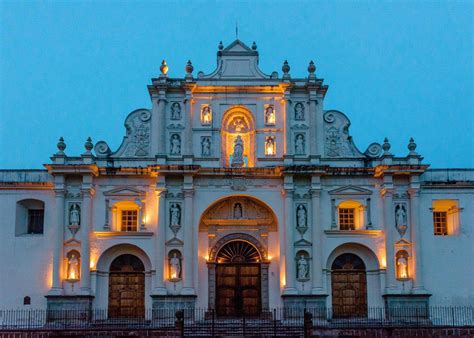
(188, 287)
(188, 149)
(290, 272)
(389, 239)
(86, 227)
(56, 288)
(159, 120)
(313, 123)
(288, 118)
(160, 243)
(317, 239)
(418, 285)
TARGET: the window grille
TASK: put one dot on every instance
(346, 219)
(440, 223)
(129, 220)
(35, 221)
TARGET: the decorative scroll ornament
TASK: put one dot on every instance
(338, 143)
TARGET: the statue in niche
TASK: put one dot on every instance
(206, 146)
(175, 111)
(302, 267)
(175, 145)
(75, 214)
(175, 212)
(239, 125)
(238, 155)
(299, 144)
(299, 111)
(270, 146)
(269, 115)
(175, 266)
(237, 211)
(73, 266)
(401, 219)
(206, 116)
(402, 266)
(301, 216)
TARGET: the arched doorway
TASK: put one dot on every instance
(349, 286)
(238, 279)
(127, 287)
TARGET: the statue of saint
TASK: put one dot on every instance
(73, 267)
(238, 156)
(299, 111)
(301, 216)
(302, 268)
(206, 115)
(269, 115)
(176, 111)
(206, 146)
(175, 266)
(238, 211)
(401, 216)
(74, 215)
(402, 265)
(299, 144)
(175, 145)
(175, 212)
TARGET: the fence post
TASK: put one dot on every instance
(308, 324)
(243, 323)
(179, 324)
(274, 323)
(213, 323)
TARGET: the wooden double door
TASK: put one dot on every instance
(127, 288)
(238, 289)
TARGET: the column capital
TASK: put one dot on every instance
(88, 192)
(315, 192)
(188, 192)
(387, 192)
(59, 192)
(414, 192)
(161, 192)
(287, 192)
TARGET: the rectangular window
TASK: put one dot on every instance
(346, 219)
(440, 223)
(129, 220)
(35, 221)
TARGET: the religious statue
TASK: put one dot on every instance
(269, 115)
(73, 266)
(238, 155)
(301, 216)
(237, 211)
(299, 111)
(175, 266)
(402, 266)
(75, 214)
(401, 219)
(302, 268)
(175, 145)
(175, 212)
(299, 144)
(206, 146)
(270, 146)
(175, 111)
(206, 116)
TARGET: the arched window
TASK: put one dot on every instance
(29, 217)
(350, 215)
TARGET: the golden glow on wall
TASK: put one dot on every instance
(270, 146)
(206, 114)
(402, 265)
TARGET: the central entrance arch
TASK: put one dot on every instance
(238, 280)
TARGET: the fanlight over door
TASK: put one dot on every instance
(349, 286)
(127, 287)
(238, 280)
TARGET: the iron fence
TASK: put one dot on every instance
(205, 322)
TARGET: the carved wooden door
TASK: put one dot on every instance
(238, 289)
(349, 287)
(126, 289)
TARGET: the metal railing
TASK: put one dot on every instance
(205, 322)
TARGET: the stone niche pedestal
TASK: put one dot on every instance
(316, 304)
(60, 307)
(173, 302)
(407, 305)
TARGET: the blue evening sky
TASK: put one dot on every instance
(76, 69)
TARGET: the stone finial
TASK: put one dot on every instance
(164, 67)
(254, 46)
(386, 147)
(412, 146)
(88, 145)
(221, 46)
(286, 67)
(189, 67)
(61, 146)
(311, 67)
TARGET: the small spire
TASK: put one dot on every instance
(61, 146)
(88, 145)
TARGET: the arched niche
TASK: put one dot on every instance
(238, 121)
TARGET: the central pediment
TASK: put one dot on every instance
(236, 61)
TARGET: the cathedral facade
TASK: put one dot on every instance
(236, 191)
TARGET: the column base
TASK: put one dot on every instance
(58, 307)
(289, 291)
(313, 303)
(175, 303)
